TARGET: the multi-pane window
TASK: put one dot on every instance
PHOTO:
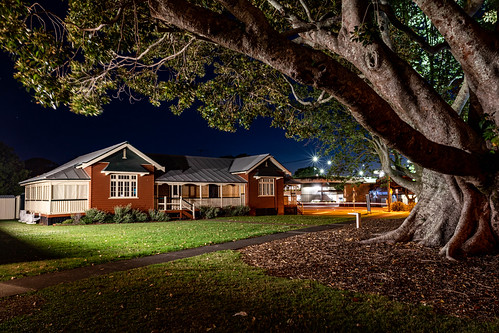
(123, 186)
(266, 187)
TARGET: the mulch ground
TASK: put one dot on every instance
(404, 272)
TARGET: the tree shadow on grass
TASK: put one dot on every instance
(13, 250)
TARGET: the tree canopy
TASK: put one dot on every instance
(421, 77)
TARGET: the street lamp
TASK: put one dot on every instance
(389, 192)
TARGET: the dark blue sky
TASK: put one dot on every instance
(60, 135)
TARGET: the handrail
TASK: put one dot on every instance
(180, 204)
(191, 205)
(299, 207)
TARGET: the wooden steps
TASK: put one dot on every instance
(182, 214)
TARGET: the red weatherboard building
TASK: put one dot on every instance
(121, 174)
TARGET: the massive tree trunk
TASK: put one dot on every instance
(452, 214)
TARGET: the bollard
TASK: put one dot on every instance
(357, 219)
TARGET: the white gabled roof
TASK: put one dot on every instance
(114, 149)
(73, 170)
(249, 163)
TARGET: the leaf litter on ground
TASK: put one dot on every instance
(405, 272)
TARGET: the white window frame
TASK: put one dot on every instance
(123, 186)
(266, 187)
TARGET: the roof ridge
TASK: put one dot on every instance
(74, 162)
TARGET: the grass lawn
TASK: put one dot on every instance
(215, 292)
(34, 249)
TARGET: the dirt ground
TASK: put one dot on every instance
(404, 272)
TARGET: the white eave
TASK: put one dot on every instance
(272, 159)
(117, 149)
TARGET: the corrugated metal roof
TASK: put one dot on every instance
(69, 170)
(243, 164)
(181, 169)
(196, 169)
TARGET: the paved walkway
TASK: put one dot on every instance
(32, 283)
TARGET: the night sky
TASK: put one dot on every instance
(60, 135)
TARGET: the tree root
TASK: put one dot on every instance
(473, 234)
(403, 233)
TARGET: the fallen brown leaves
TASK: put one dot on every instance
(404, 272)
(19, 305)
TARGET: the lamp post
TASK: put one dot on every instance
(389, 193)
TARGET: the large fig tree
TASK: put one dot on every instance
(245, 58)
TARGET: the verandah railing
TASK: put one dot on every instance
(165, 203)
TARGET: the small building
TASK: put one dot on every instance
(121, 174)
(318, 189)
(379, 192)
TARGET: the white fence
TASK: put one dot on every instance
(216, 202)
(9, 207)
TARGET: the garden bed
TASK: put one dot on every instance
(404, 272)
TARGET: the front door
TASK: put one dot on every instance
(213, 191)
(175, 191)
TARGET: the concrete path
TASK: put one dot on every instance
(32, 283)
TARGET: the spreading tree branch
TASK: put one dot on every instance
(395, 80)
(432, 49)
(386, 163)
(320, 99)
(315, 68)
(251, 16)
(472, 46)
(301, 26)
(307, 11)
(462, 97)
(472, 6)
(100, 26)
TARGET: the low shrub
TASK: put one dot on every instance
(158, 216)
(398, 206)
(237, 210)
(78, 219)
(94, 215)
(209, 212)
(410, 206)
(123, 214)
(68, 221)
(139, 216)
(85, 220)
